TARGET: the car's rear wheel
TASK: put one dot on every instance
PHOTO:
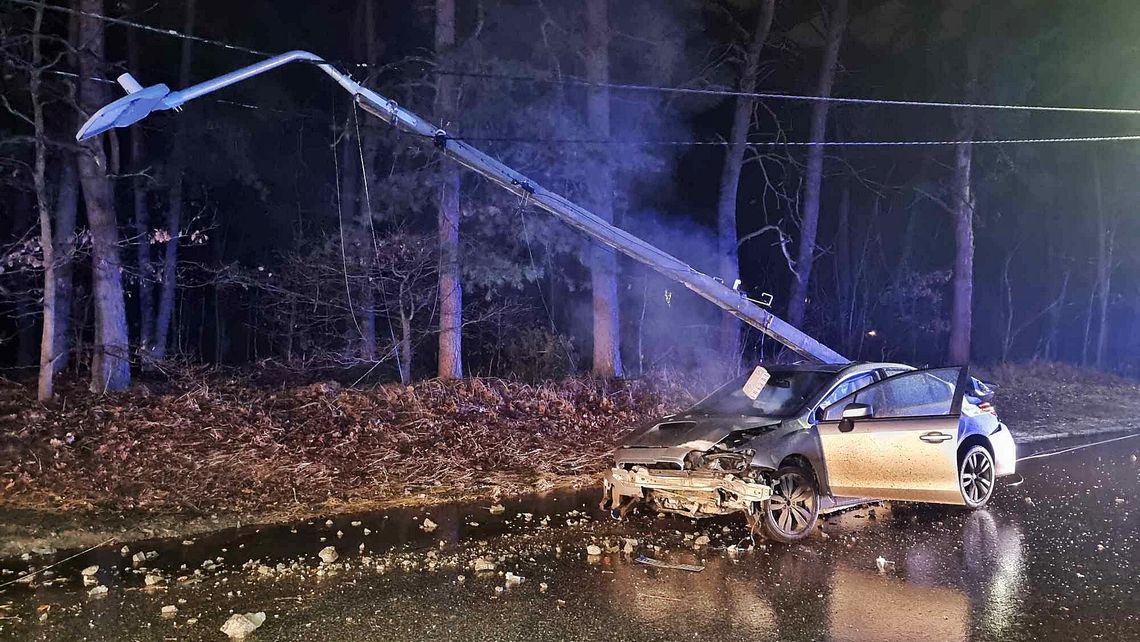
(976, 475)
(791, 513)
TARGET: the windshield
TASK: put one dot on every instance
(783, 396)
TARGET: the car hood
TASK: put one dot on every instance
(695, 431)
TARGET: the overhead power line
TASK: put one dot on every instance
(632, 86)
(793, 97)
(833, 143)
(144, 27)
(691, 143)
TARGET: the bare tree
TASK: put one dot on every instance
(450, 281)
(45, 388)
(110, 363)
(729, 267)
(175, 171)
(962, 206)
(600, 190)
(1105, 246)
(813, 181)
(141, 212)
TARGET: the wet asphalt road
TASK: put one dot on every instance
(1052, 559)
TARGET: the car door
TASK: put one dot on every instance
(896, 438)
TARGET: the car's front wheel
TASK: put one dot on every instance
(976, 476)
(791, 513)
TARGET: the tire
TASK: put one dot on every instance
(976, 477)
(791, 521)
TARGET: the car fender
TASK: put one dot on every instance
(800, 442)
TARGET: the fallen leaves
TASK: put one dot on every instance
(205, 445)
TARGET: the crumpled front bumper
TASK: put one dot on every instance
(690, 492)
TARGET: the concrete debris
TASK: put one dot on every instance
(542, 586)
(90, 571)
(703, 540)
(495, 509)
(593, 550)
(356, 524)
(240, 625)
(428, 525)
(883, 564)
(513, 579)
(169, 611)
(329, 523)
(152, 580)
(483, 564)
(328, 555)
(98, 591)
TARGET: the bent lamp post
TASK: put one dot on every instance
(139, 102)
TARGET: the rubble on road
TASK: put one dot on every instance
(328, 555)
(241, 625)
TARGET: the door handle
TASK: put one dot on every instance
(935, 437)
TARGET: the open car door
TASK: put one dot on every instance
(897, 438)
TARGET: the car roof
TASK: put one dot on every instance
(834, 368)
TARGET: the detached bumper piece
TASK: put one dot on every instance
(694, 493)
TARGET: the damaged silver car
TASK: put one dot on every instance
(784, 444)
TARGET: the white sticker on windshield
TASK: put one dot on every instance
(756, 382)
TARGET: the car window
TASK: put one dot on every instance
(921, 393)
(849, 386)
(784, 395)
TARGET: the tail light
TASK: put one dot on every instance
(986, 406)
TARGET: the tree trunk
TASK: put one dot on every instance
(813, 181)
(729, 267)
(176, 170)
(603, 266)
(844, 277)
(45, 388)
(141, 218)
(962, 284)
(450, 283)
(1103, 289)
(111, 370)
(369, 144)
(66, 208)
(405, 348)
(962, 313)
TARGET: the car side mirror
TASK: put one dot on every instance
(858, 411)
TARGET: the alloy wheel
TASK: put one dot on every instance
(792, 509)
(976, 478)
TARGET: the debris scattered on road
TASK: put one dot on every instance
(513, 579)
(98, 591)
(482, 564)
(495, 509)
(649, 561)
(328, 555)
(240, 625)
(169, 611)
(883, 563)
(428, 525)
(593, 550)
